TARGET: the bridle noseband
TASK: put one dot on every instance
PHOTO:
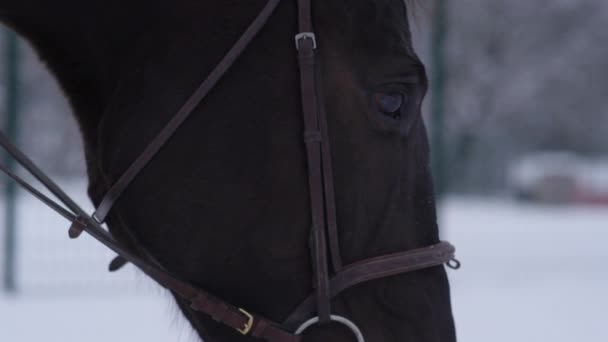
(316, 309)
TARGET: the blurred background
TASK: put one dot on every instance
(518, 119)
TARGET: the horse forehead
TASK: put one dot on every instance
(366, 25)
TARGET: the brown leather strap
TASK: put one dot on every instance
(238, 319)
(306, 45)
(328, 183)
(375, 268)
(35, 171)
(58, 208)
(184, 112)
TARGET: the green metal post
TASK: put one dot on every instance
(10, 127)
(437, 85)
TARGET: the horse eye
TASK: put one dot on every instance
(390, 103)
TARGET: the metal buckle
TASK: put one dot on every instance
(306, 35)
(334, 318)
(247, 327)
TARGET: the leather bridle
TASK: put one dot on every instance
(324, 232)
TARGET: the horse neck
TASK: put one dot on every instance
(85, 48)
(91, 47)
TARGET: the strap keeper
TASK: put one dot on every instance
(301, 37)
(78, 226)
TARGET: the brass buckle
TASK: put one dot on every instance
(247, 327)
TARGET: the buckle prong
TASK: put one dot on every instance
(247, 327)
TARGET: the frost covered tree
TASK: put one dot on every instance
(523, 76)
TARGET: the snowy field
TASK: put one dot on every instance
(530, 274)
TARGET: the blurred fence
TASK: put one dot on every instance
(48, 262)
(35, 252)
(520, 77)
(10, 127)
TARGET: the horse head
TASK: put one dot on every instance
(225, 203)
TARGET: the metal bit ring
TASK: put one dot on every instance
(334, 318)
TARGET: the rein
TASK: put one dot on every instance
(316, 309)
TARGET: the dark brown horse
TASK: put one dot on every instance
(225, 204)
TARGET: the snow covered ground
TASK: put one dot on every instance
(530, 273)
